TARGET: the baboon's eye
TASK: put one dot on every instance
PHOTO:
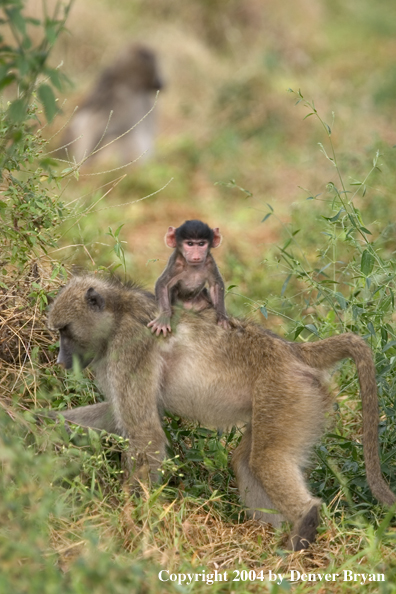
(65, 331)
(94, 299)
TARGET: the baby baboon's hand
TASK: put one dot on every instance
(224, 323)
(160, 324)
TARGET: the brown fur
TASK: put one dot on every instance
(217, 377)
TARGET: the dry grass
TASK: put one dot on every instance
(24, 337)
(184, 533)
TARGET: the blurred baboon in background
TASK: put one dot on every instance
(121, 97)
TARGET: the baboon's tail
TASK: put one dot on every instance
(324, 354)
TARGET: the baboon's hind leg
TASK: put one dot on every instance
(283, 481)
(288, 418)
(250, 488)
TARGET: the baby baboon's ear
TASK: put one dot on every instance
(94, 299)
(216, 238)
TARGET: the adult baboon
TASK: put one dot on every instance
(126, 88)
(218, 377)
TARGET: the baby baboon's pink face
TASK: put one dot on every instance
(195, 251)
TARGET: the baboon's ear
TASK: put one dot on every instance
(170, 237)
(216, 238)
(94, 299)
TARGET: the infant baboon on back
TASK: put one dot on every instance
(190, 267)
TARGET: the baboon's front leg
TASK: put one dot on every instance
(134, 399)
(98, 416)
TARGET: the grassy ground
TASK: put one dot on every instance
(226, 114)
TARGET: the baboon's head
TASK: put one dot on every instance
(138, 67)
(83, 315)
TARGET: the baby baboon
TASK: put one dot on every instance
(253, 376)
(189, 268)
(125, 88)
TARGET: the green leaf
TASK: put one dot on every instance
(266, 216)
(16, 19)
(367, 263)
(336, 217)
(370, 328)
(312, 328)
(55, 78)
(341, 300)
(264, 311)
(324, 268)
(47, 98)
(298, 331)
(51, 32)
(390, 344)
(386, 304)
(33, 21)
(17, 110)
(285, 285)
(117, 232)
(352, 220)
(6, 80)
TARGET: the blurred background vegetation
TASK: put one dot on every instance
(226, 114)
(307, 213)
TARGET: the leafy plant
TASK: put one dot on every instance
(30, 206)
(347, 284)
(118, 248)
(25, 72)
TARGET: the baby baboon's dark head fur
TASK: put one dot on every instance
(194, 229)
